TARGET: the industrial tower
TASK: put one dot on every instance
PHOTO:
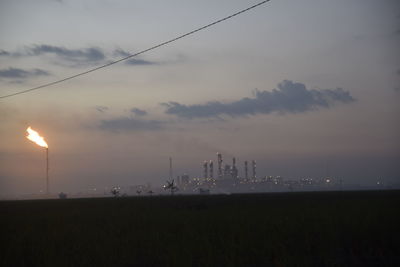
(211, 164)
(245, 170)
(253, 163)
(219, 165)
(234, 170)
(205, 166)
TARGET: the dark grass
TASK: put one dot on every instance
(285, 229)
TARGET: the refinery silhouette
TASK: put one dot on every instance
(225, 179)
(229, 177)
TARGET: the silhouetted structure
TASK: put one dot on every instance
(253, 163)
(246, 171)
(47, 171)
(211, 164)
(115, 191)
(185, 179)
(227, 171)
(234, 170)
(205, 166)
(170, 168)
(219, 165)
(171, 186)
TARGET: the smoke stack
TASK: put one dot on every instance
(205, 166)
(219, 165)
(170, 168)
(234, 171)
(245, 170)
(211, 169)
(39, 140)
(47, 171)
(254, 169)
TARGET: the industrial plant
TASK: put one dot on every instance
(233, 177)
(227, 180)
(227, 176)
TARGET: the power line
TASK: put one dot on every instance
(136, 54)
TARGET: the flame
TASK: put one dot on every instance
(36, 138)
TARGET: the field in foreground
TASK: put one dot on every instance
(285, 229)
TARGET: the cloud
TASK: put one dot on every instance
(131, 124)
(101, 109)
(290, 97)
(81, 56)
(133, 61)
(85, 55)
(4, 53)
(139, 112)
(14, 73)
(75, 56)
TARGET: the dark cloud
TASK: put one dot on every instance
(121, 53)
(132, 61)
(139, 112)
(76, 56)
(290, 97)
(85, 55)
(14, 73)
(101, 109)
(131, 124)
(4, 53)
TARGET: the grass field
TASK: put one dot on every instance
(282, 229)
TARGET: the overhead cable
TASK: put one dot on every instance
(136, 54)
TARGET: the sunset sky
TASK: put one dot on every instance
(294, 85)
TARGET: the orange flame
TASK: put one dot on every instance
(36, 138)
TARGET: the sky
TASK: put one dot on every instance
(302, 87)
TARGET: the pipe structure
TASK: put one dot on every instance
(211, 164)
(47, 171)
(219, 165)
(170, 168)
(253, 163)
(234, 170)
(205, 166)
(246, 170)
